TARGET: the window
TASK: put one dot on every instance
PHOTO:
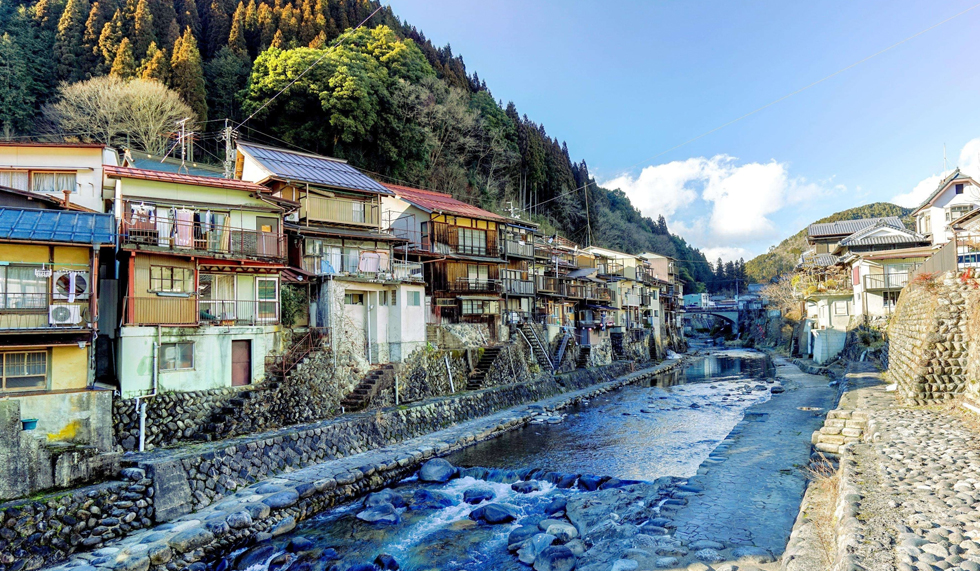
(53, 181)
(478, 274)
(22, 288)
(473, 241)
(955, 212)
(357, 209)
(168, 279)
(480, 307)
(354, 299)
(14, 179)
(394, 298)
(177, 356)
(382, 298)
(959, 188)
(414, 299)
(267, 296)
(445, 302)
(24, 371)
(840, 308)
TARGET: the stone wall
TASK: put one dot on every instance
(37, 532)
(929, 339)
(171, 418)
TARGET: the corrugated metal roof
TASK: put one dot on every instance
(344, 233)
(847, 227)
(153, 164)
(876, 240)
(29, 224)
(314, 169)
(432, 201)
(160, 176)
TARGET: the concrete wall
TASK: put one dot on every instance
(212, 356)
(827, 344)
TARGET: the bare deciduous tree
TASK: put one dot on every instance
(107, 109)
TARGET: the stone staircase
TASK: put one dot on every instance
(432, 335)
(840, 428)
(540, 352)
(479, 374)
(617, 340)
(223, 419)
(562, 346)
(583, 357)
(370, 385)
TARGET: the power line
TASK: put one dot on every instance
(775, 101)
(311, 66)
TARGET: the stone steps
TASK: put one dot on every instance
(369, 386)
(583, 357)
(476, 378)
(840, 428)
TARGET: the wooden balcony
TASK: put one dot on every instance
(200, 238)
(476, 285)
(339, 211)
(519, 287)
(515, 249)
(193, 311)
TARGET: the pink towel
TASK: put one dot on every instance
(185, 228)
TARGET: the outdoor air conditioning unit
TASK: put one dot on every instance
(63, 284)
(292, 217)
(64, 314)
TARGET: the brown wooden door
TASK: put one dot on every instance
(241, 363)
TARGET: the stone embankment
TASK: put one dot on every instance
(250, 489)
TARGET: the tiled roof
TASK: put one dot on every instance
(848, 227)
(188, 179)
(56, 226)
(811, 259)
(432, 201)
(895, 236)
(314, 169)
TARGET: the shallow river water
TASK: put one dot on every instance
(665, 428)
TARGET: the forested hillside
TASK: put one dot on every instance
(784, 257)
(386, 99)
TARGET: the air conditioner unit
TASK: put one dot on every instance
(62, 284)
(64, 314)
(292, 217)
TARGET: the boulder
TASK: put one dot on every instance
(556, 505)
(430, 500)
(257, 555)
(526, 487)
(494, 513)
(555, 558)
(478, 495)
(533, 547)
(563, 532)
(521, 534)
(384, 497)
(384, 513)
(437, 470)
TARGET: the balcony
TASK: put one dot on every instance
(476, 285)
(42, 311)
(602, 294)
(368, 265)
(517, 249)
(338, 211)
(611, 268)
(519, 287)
(407, 271)
(192, 311)
(202, 238)
(550, 285)
(631, 300)
(884, 282)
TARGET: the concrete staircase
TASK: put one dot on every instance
(377, 379)
(537, 347)
(476, 378)
(840, 428)
(583, 357)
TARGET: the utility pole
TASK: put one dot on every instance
(229, 150)
(588, 218)
(182, 124)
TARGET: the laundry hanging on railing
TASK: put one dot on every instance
(185, 227)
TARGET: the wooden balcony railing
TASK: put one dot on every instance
(190, 311)
(191, 237)
(519, 287)
(339, 211)
(476, 285)
(517, 249)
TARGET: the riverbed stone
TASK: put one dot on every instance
(526, 487)
(494, 513)
(437, 470)
(478, 495)
(555, 558)
(563, 532)
(430, 499)
(521, 534)
(191, 539)
(533, 547)
(383, 513)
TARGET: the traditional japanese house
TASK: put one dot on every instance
(459, 246)
(368, 297)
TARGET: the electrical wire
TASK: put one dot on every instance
(311, 66)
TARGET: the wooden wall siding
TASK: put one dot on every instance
(148, 308)
(448, 235)
(442, 275)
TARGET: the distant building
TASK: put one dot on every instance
(956, 195)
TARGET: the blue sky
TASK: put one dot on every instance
(621, 82)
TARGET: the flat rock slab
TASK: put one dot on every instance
(751, 495)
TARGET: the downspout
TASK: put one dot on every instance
(117, 211)
(141, 401)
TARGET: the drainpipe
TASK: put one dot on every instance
(368, 319)
(141, 403)
(117, 211)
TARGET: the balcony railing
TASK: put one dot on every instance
(519, 287)
(338, 211)
(364, 264)
(518, 249)
(32, 311)
(611, 268)
(191, 311)
(191, 237)
(550, 285)
(601, 294)
(407, 271)
(476, 285)
(631, 299)
(886, 281)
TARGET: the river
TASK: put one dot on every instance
(640, 432)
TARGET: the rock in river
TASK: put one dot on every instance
(383, 513)
(555, 558)
(526, 487)
(494, 513)
(477, 495)
(437, 470)
(430, 500)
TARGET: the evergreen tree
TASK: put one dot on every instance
(252, 29)
(164, 18)
(225, 74)
(145, 33)
(236, 38)
(267, 26)
(69, 47)
(100, 14)
(277, 41)
(16, 88)
(189, 17)
(109, 40)
(216, 29)
(124, 64)
(187, 74)
(155, 65)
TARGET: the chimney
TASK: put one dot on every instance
(67, 194)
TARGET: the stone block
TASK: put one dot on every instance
(852, 432)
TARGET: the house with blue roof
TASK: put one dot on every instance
(341, 253)
(49, 315)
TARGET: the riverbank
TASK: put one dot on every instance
(273, 506)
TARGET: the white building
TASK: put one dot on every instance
(955, 196)
(53, 168)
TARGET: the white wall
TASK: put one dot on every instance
(937, 211)
(86, 161)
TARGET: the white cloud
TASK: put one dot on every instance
(739, 199)
(969, 163)
(726, 253)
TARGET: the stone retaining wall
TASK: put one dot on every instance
(929, 339)
(38, 531)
